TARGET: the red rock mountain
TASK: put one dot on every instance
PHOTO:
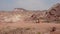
(20, 14)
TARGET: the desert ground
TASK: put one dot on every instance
(31, 28)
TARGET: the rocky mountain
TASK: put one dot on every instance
(20, 14)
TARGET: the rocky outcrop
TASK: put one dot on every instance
(53, 13)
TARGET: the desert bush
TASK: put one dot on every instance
(38, 33)
(27, 28)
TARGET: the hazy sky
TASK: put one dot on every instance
(27, 4)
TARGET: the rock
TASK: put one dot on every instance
(54, 12)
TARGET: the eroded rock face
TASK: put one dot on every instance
(35, 17)
(54, 12)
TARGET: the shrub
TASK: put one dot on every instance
(27, 29)
(38, 33)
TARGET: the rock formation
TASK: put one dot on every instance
(53, 13)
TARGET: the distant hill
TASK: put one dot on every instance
(37, 16)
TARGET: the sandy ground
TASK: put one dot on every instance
(42, 27)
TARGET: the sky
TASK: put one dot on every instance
(27, 4)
